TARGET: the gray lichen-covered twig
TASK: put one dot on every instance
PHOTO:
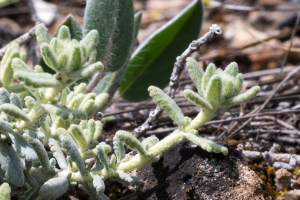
(214, 31)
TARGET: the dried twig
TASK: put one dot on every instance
(250, 9)
(214, 30)
(20, 40)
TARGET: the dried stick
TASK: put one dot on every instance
(20, 40)
(214, 30)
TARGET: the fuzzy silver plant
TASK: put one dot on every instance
(42, 111)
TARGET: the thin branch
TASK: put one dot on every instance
(214, 30)
(20, 40)
(216, 4)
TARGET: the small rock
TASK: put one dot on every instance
(283, 178)
(290, 195)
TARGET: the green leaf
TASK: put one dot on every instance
(41, 152)
(168, 104)
(5, 126)
(153, 61)
(11, 163)
(23, 148)
(37, 80)
(57, 153)
(206, 144)
(114, 21)
(118, 149)
(111, 81)
(54, 188)
(76, 33)
(73, 152)
(65, 113)
(132, 142)
(5, 191)
(98, 184)
(14, 111)
(74, 27)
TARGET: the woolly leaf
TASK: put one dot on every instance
(74, 27)
(63, 132)
(90, 42)
(238, 83)
(98, 130)
(132, 142)
(114, 22)
(168, 104)
(74, 154)
(40, 151)
(23, 148)
(232, 69)
(6, 75)
(11, 164)
(5, 191)
(197, 100)
(134, 180)
(81, 88)
(149, 142)
(64, 33)
(227, 90)
(98, 184)
(111, 81)
(210, 70)
(14, 111)
(206, 144)
(65, 113)
(15, 100)
(118, 149)
(88, 105)
(57, 153)
(74, 61)
(42, 34)
(102, 156)
(91, 130)
(4, 96)
(19, 88)
(100, 101)
(86, 72)
(29, 102)
(18, 64)
(213, 91)
(37, 80)
(125, 177)
(53, 188)
(5, 127)
(49, 56)
(112, 161)
(78, 136)
(196, 72)
(249, 94)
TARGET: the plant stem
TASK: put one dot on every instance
(202, 117)
(138, 161)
